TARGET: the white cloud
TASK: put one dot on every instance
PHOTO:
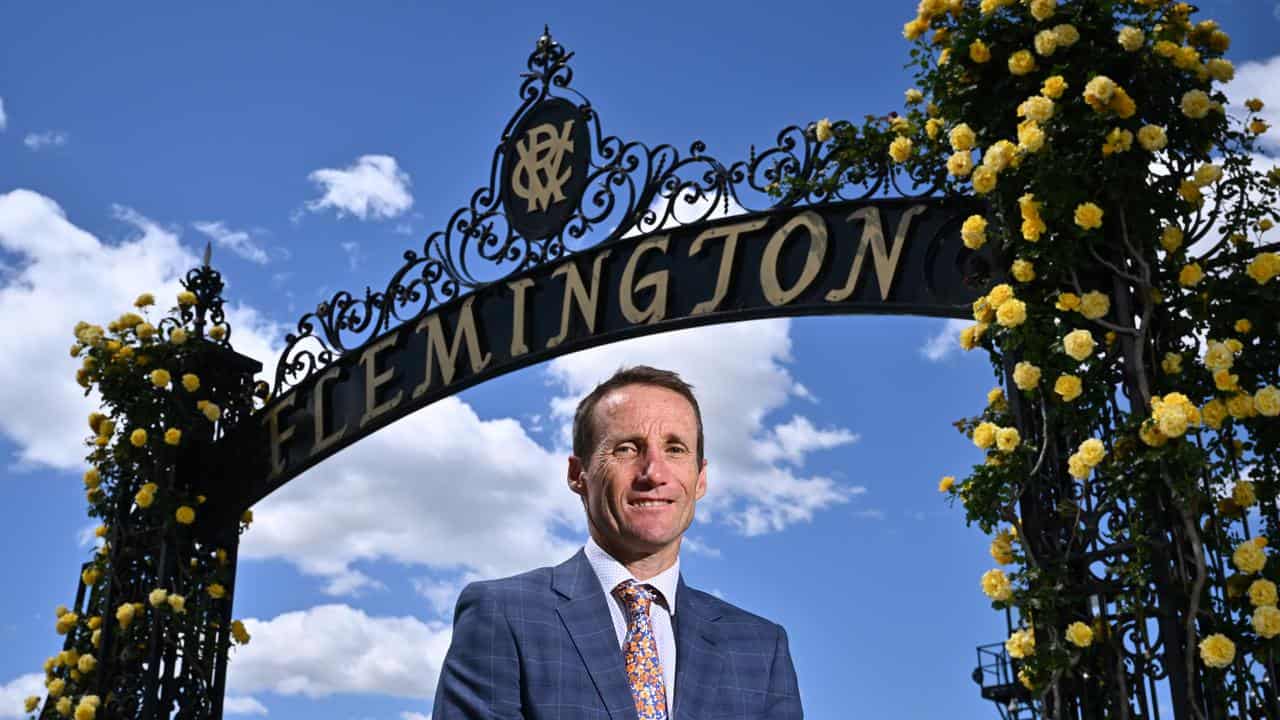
(479, 495)
(1259, 79)
(239, 242)
(14, 693)
(945, 341)
(243, 705)
(790, 441)
(409, 715)
(352, 249)
(332, 649)
(64, 275)
(37, 141)
(4, 119)
(374, 187)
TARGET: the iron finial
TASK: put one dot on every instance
(208, 253)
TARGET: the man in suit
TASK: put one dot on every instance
(614, 632)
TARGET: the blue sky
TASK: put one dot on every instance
(128, 141)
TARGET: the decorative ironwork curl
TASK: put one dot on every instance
(631, 188)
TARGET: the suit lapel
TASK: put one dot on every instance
(698, 659)
(585, 615)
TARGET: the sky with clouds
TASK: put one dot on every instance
(312, 145)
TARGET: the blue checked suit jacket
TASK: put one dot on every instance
(541, 646)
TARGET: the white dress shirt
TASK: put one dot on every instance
(610, 572)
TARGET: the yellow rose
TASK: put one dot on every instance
(178, 336)
(1098, 92)
(1021, 644)
(1037, 107)
(1079, 344)
(1023, 270)
(1077, 467)
(1067, 302)
(1171, 238)
(87, 663)
(1026, 376)
(1011, 313)
(186, 297)
(1254, 104)
(85, 711)
(974, 232)
(1088, 216)
(822, 130)
(900, 149)
(1046, 42)
(996, 585)
(1195, 104)
(1022, 62)
(172, 436)
(1217, 651)
(1262, 592)
(1068, 387)
(1053, 87)
(1266, 621)
(946, 483)
(1117, 140)
(1030, 137)
(915, 28)
(1067, 34)
(1243, 326)
(138, 437)
(1207, 174)
(1190, 274)
(999, 295)
(239, 633)
(1190, 192)
(1263, 267)
(1240, 405)
(1220, 69)
(1152, 138)
(217, 332)
(1249, 557)
(1218, 356)
(1130, 38)
(960, 163)
(64, 704)
(1092, 451)
(1243, 494)
(177, 603)
(216, 591)
(211, 410)
(1171, 364)
(1079, 634)
(158, 597)
(1002, 548)
(962, 137)
(984, 435)
(999, 155)
(1267, 401)
(65, 622)
(1094, 305)
(1042, 10)
(124, 615)
(32, 702)
(1033, 226)
(92, 478)
(1007, 439)
(160, 378)
(185, 515)
(144, 498)
(979, 52)
(1214, 413)
(191, 382)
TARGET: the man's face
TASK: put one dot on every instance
(646, 451)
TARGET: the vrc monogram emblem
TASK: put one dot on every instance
(540, 175)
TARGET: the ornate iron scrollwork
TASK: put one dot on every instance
(630, 188)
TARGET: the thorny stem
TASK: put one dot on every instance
(1197, 588)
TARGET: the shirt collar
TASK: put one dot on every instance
(610, 572)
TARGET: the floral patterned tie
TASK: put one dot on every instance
(644, 670)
